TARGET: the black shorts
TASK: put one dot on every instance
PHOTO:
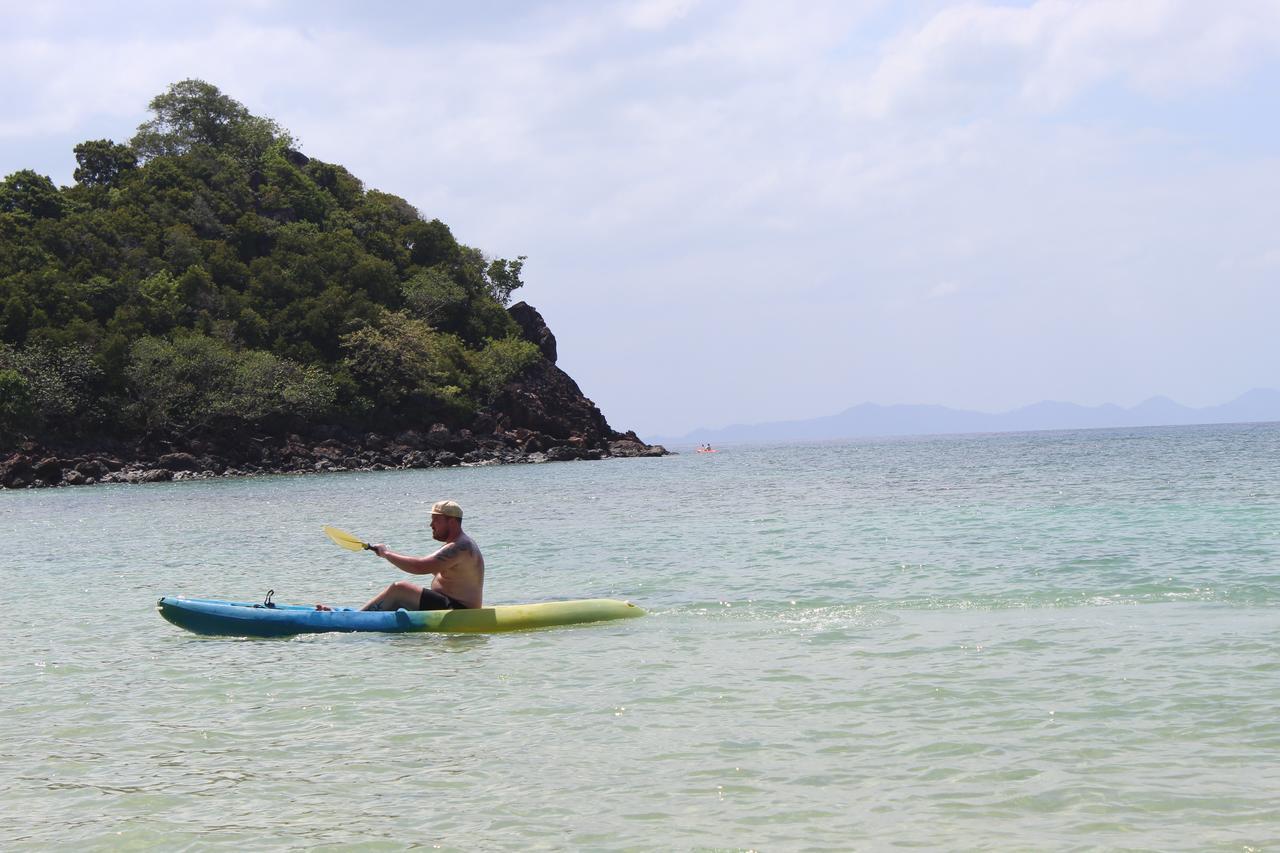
(432, 600)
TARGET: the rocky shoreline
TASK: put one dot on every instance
(34, 466)
(540, 417)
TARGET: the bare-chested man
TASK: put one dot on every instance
(458, 568)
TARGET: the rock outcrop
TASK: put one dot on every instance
(534, 329)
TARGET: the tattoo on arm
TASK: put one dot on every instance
(454, 551)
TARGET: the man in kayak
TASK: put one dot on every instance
(458, 568)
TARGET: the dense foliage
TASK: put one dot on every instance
(208, 274)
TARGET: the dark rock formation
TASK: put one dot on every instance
(17, 472)
(628, 445)
(49, 470)
(534, 329)
(179, 462)
(546, 400)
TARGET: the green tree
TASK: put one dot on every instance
(288, 193)
(401, 363)
(504, 278)
(14, 321)
(101, 162)
(194, 113)
(159, 301)
(195, 380)
(433, 296)
(500, 362)
(62, 385)
(31, 193)
(345, 188)
(430, 243)
(16, 410)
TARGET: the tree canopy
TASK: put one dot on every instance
(207, 271)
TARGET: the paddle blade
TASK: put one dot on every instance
(343, 539)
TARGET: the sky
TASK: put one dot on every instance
(740, 212)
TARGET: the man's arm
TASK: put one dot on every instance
(429, 565)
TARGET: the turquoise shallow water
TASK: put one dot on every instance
(1040, 641)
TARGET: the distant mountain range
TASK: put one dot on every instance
(870, 419)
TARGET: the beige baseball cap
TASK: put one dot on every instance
(449, 508)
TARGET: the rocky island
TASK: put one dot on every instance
(208, 301)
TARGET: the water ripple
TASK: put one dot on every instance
(1051, 641)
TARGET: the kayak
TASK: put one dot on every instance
(242, 619)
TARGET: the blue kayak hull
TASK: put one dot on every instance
(242, 619)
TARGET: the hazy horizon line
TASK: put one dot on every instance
(689, 436)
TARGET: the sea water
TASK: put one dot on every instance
(1048, 641)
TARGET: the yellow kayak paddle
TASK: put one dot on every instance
(343, 539)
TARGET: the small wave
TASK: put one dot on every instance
(789, 616)
(1249, 596)
(810, 612)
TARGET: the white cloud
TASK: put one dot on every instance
(655, 14)
(943, 289)
(976, 58)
